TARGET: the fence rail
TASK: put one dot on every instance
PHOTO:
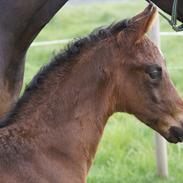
(171, 33)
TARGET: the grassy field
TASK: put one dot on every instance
(126, 153)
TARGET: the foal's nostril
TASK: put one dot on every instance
(176, 133)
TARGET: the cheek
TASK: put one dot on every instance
(153, 91)
(146, 96)
(154, 96)
(136, 97)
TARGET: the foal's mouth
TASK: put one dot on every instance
(176, 135)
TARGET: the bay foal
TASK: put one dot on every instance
(52, 134)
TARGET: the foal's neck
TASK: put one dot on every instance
(85, 102)
(71, 116)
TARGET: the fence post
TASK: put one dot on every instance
(161, 144)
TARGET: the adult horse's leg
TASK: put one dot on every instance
(166, 5)
(20, 22)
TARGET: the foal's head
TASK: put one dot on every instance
(144, 85)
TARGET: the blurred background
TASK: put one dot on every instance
(127, 150)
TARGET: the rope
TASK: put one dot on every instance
(173, 20)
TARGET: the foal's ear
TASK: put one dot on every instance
(143, 22)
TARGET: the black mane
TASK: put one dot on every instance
(73, 49)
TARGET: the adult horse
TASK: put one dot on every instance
(53, 132)
(20, 22)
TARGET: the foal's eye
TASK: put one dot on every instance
(154, 72)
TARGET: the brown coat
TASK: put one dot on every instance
(52, 134)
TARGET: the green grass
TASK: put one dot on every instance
(126, 153)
